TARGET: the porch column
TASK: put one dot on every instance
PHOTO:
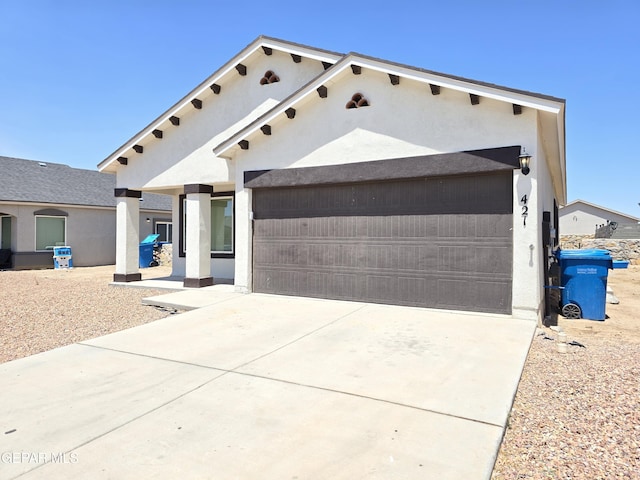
(198, 236)
(127, 235)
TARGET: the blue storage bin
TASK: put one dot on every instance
(147, 246)
(583, 277)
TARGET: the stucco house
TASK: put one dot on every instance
(44, 204)
(299, 171)
(583, 218)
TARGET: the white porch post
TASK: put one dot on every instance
(244, 236)
(127, 235)
(198, 233)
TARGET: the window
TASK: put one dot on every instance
(222, 225)
(165, 230)
(50, 232)
(5, 232)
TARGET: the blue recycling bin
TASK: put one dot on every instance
(583, 278)
(146, 251)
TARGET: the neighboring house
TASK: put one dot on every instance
(299, 171)
(43, 205)
(583, 218)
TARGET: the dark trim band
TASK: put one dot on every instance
(51, 212)
(439, 165)
(198, 188)
(127, 277)
(197, 282)
(125, 192)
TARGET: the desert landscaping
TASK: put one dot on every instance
(576, 415)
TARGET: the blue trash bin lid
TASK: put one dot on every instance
(150, 238)
(588, 254)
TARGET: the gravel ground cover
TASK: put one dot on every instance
(576, 415)
(45, 309)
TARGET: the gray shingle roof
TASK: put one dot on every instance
(55, 183)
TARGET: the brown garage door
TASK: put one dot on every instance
(442, 242)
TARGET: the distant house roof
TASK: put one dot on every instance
(55, 183)
(577, 203)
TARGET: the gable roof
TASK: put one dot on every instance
(552, 109)
(263, 43)
(522, 98)
(577, 203)
(551, 120)
(57, 184)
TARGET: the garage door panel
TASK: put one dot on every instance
(408, 242)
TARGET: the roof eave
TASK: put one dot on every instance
(310, 52)
(525, 99)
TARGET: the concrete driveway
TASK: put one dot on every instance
(269, 387)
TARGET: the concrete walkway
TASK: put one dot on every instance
(268, 387)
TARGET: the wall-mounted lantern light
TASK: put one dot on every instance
(524, 158)
(148, 220)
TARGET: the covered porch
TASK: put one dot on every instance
(203, 241)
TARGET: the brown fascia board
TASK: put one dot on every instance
(229, 65)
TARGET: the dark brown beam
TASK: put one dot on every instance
(435, 89)
(517, 109)
(475, 99)
(216, 88)
(267, 50)
(138, 148)
(197, 103)
(266, 129)
(291, 112)
(244, 144)
(296, 58)
(326, 65)
(198, 188)
(356, 69)
(127, 193)
(123, 160)
(394, 79)
(174, 120)
(157, 133)
(322, 91)
(242, 70)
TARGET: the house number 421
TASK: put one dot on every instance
(525, 209)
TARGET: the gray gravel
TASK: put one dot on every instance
(45, 309)
(576, 415)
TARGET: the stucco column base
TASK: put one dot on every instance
(127, 277)
(524, 313)
(197, 282)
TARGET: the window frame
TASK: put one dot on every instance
(169, 225)
(35, 232)
(183, 223)
(2, 233)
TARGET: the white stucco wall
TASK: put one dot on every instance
(404, 120)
